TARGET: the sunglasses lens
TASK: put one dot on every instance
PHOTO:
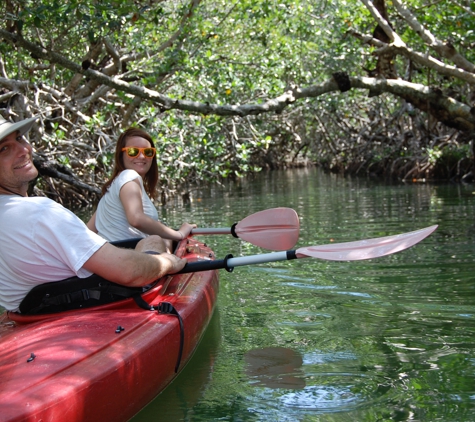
(132, 152)
(148, 152)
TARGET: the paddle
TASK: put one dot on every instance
(348, 251)
(275, 229)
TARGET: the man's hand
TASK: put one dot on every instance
(171, 262)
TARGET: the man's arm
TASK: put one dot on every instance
(130, 267)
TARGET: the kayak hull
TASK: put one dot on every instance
(107, 362)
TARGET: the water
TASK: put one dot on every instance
(391, 339)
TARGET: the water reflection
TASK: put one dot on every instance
(274, 367)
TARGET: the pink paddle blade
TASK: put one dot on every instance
(276, 229)
(366, 249)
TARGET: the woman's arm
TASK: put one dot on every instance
(91, 224)
(131, 199)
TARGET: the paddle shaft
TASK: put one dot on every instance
(216, 230)
(228, 263)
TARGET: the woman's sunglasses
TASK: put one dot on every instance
(135, 151)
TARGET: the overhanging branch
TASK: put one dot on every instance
(451, 112)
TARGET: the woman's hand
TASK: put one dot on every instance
(186, 229)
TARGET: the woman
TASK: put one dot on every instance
(125, 209)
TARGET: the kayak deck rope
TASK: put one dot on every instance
(168, 308)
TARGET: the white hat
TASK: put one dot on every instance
(23, 126)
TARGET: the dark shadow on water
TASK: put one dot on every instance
(176, 402)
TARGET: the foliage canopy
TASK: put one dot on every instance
(229, 88)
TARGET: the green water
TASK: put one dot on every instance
(392, 339)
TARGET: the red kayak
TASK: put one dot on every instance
(107, 362)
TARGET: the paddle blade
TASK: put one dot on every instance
(275, 229)
(366, 249)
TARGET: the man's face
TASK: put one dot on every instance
(16, 166)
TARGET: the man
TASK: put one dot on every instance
(41, 241)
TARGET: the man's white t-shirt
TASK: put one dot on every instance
(40, 242)
(111, 221)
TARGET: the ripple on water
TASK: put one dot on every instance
(322, 398)
(313, 399)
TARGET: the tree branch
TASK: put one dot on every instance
(456, 114)
(446, 50)
(53, 169)
(395, 39)
(416, 57)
